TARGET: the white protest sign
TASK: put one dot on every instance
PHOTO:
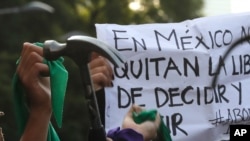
(171, 66)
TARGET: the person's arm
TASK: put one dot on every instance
(37, 126)
(33, 74)
(102, 76)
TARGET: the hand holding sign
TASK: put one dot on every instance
(148, 128)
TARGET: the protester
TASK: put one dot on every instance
(34, 76)
(32, 73)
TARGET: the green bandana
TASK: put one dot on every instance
(163, 133)
(58, 82)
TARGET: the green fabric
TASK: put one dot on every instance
(163, 133)
(58, 82)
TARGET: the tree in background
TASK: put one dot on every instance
(78, 16)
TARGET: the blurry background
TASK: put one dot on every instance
(33, 21)
(218, 7)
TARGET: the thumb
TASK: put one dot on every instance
(137, 109)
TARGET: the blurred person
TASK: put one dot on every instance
(34, 76)
(32, 73)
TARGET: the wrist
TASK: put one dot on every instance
(41, 111)
(37, 125)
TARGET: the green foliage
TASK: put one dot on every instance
(72, 15)
(179, 10)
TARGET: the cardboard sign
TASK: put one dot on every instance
(170, 67)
